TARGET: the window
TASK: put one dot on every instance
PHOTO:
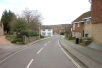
(49, 34)
(43, 34)
(87, 21)
(74, 33)
(73, 26)
(78, 24)
(43, 30)
(78, 34)
(87, 33)
(49, 29)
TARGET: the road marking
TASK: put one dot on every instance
(39, 50)
(69, 56)
(29, 63)
(45, 44)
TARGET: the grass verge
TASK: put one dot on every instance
(70, 40)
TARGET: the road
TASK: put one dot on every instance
(44, 54)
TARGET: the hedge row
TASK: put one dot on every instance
(62, 33)
(29, 33)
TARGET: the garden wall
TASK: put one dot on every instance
(28, 39)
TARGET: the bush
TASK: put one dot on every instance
(29, 33)
(62, 33)
(17, 40)
(10, 32)
(11, 37)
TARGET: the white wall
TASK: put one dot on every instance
(47, 32)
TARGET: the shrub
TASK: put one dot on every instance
(29, 33)
(17, 40)
(62, 33)
(10, 32)
(11, 37)
(86, 35)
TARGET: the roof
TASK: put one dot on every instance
(84, 15)
(58, 26)
(46, 27)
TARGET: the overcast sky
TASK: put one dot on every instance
(53, 11)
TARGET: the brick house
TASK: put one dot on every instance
(87, 26)
(79, 27)
(96, 20)
(57, 29)
(1, 29)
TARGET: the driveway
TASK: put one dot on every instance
(3, 40)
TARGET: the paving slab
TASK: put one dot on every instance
(90, 57)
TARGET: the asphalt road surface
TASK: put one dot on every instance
(44, 54)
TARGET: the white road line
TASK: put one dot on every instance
(39, 50)
(45, 44)
(29, 63)
(69, 56)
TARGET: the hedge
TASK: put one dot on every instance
(29, 33)
(62, 33)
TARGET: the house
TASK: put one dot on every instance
(79, 26)
(96, 20)
(46, 31)
(91, 23)
(87, 27)
(57, 29)
(1, 29)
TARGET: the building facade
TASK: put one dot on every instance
(79, 25)
(47, 31)
(96, 9)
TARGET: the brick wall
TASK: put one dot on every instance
(96, 11)
(88, 28)
(78, 32)
(97, 33)
(96, 14)
(77, 29)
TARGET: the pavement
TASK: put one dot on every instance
(92, 58)
(3, 40)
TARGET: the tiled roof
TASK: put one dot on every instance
(46, 27)
(84, 15)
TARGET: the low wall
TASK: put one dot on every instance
(28, 39)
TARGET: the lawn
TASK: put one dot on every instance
(70, 40)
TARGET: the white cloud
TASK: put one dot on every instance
(53, 11)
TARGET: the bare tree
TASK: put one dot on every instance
(33, 18)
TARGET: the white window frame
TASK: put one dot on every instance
(78, 24)
(88, 22)
(87, 32)
(43, 29)
(73, 26)
(49, 29)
